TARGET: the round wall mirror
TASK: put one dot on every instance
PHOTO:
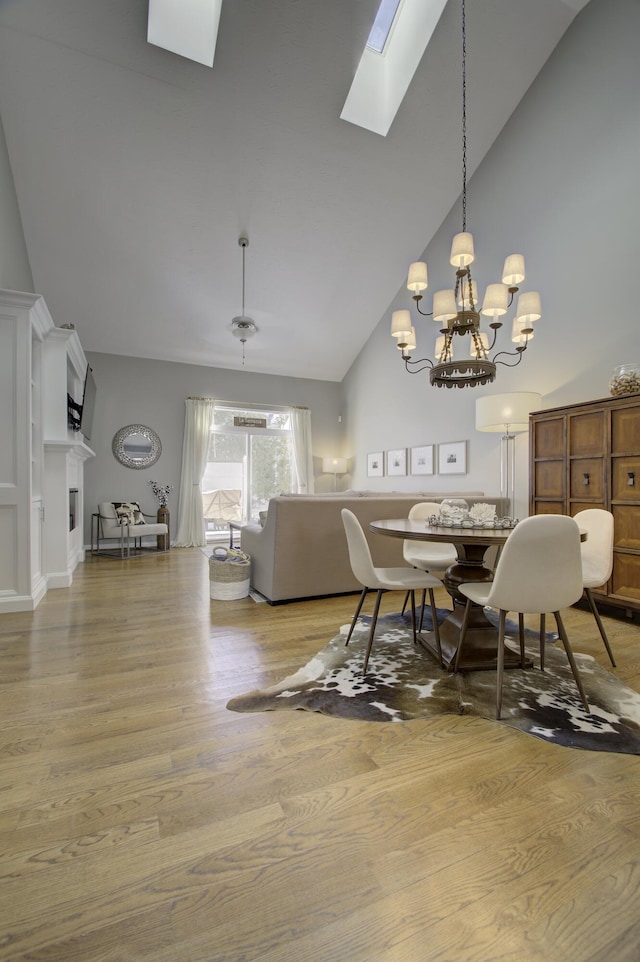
(136, 446)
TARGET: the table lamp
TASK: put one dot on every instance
(334, 466)
(507, 414)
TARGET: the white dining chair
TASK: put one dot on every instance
(429, 556)
(597, 559)
(540, 570)
(384, 579)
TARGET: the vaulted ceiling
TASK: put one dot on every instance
(137, 170)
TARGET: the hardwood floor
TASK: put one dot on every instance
(141, 821)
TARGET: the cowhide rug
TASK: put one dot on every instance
(404, 682)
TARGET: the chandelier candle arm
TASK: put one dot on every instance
(457, 311)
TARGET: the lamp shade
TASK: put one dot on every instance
(418, 279)
(334, 465)
(497, 412)
(529, 309)
(444, 305)
(401, 324)
(495, 300)
(462, 250)
(409, 342)
(513, 270)
(440, 349)
(463, 295)
(521, 332)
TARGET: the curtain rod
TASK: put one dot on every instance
(296, 407)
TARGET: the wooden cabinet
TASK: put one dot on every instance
(588, 456)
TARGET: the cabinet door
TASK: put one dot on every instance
(587, 435)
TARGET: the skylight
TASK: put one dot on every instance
(382, 24)
(186, 27)
(380, 82)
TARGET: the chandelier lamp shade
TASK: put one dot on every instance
(242, 326)
(465, 355)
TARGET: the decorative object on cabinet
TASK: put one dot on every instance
(599, 440)
(507, 414)
(422, 459)
(397, 462)
(375, 465)
(452, 458)
(456, 311)
(136, 446)
(625, 380)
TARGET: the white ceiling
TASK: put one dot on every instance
(137, 170)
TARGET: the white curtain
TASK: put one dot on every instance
(195, 446)
(302, 448)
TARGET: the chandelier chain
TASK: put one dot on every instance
(464, 119)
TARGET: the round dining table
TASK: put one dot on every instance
(471, 544)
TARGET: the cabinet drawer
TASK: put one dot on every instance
(621, 490)
(587, 435)
(625, 580)
(626, 526)
(587, 478)
(549, 479)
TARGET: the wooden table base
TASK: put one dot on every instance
(480, 651)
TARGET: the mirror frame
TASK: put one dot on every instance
(120, 438)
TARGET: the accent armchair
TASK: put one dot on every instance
(124, 522)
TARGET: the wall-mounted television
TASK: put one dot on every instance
(80, 416)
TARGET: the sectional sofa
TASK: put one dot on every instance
(301, 550)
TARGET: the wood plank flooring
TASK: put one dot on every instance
(140, 821)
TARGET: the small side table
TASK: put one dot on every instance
(234, 526)
(164, 540)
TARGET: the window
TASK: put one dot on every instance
(382, 24)
(249, 462)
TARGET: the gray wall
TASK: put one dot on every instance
(15, 270)
(135, 391)
(560, 186)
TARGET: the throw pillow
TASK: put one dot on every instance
(128, 512)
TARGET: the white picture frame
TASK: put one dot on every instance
(421, 461)
(397, 462)
(452, 458)
(375, 465)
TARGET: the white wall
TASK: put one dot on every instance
(136, 391)
(15, 270)
(560, 185)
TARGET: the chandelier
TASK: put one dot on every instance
(242, 326)
(456, 310)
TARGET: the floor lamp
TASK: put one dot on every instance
(334, 466)
(507, 414)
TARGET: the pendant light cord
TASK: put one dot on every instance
(464, 120)
(244, 247)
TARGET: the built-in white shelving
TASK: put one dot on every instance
(41, 459)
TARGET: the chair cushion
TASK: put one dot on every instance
(128, 512)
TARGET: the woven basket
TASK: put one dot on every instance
(229, 580)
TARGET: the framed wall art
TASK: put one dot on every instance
(375, 465)
(452, 458)
(422, 459)
(397, 462)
